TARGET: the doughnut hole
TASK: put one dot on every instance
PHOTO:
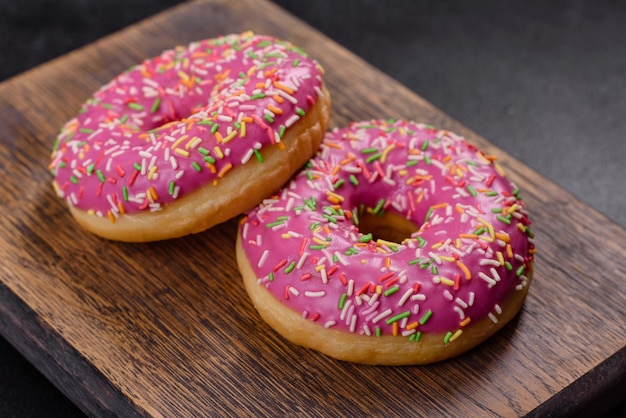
(388, 226)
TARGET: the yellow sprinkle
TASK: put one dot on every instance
(320, 241)
(521, 227)
(152, 172)
(386, 152)
(183, 75)
(446, 281)
(229, 137)
(193, 142)
(153, 194)
(379, 289)
(381, 242)
(456, 335)
(446, 258)
(242, 131)
(319, 268)
(181, 152)
(179, 141)
(337, 198)
(285, 236)
(499, 169)
(225, 170)
(500, 257)
(218, 152)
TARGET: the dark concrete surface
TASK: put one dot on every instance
(544, 81)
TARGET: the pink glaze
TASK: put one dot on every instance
(471, 252)
(181, 120)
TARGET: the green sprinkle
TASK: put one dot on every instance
(172, 187)
(410, 163)
(100, 176)
(85, 130)
(155, 105)
(196, 166)
(281, 131)
(296, 62)
(258, 155)
(433, 269)
(428, 214)
(135, 106)
(73, 179)
(273, 224)
(480, 230)
(209, 159)
(90, 168)
(426, 317)
(373, 158)
(125, 193)
(414, 261)
(397, 317)
(290, 267)
(391, 290)
(520, 270)
(300, 111)
(418, 336)
(496, 210)
(508, 266)
(472, 191)
(330, 218)
(257, 96)
(124, 119)
(421, 241)
(366, 238)
(339, 183)
(427, 159)
(268, 118)
(214, 128)
(372, 150)
(137, 166)
(342, 300)
(504, 219)
(378, 206)
(491, 193)
(317, 247)
(354, 180)
(270, 276)
(205, 122)
(447, 337)
(379, 331)
(425, 145)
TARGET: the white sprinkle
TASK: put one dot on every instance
(263, 256)
(382, 315)
(317, 294)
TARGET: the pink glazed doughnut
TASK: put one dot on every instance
(397, 244)
(191, 138)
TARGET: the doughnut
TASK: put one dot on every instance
(397, 244)
(191, 138)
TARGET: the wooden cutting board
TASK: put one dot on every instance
(166, 329)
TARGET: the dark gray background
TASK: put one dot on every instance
(543, 80)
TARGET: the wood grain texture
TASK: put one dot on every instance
(166, 329)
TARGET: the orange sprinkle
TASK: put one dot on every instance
(153, 194)
(225, 170)
(111, 216)
(464, 269)
(121, 207)
(274, 109)
(412, 325)
(211, 167)
(219, 137)
(466, 321)
(284, 88)
(509, 251)
(503, 236)
(395, 329)
(278, 98)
